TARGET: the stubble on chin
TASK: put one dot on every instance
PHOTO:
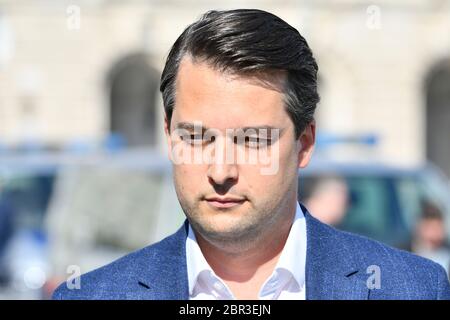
(240, 236)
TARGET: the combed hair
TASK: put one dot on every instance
(247, 41)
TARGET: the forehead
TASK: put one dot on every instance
(225, 100)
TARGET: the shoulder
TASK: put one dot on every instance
(120, 278)
(401, 273)
(106, 282)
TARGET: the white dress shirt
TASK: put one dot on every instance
(287, 282)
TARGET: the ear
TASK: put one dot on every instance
(306, 143)
(168, 137)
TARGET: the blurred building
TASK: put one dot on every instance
(75, 71)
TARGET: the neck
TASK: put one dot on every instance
(252, 265)
(243, 265)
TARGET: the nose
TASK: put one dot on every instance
(222, 170)
(222, 174)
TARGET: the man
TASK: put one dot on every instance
(242, 85)
(327, 198)
(430, 239)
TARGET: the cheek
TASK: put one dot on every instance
(288, 161)
(286, 177)
(188, 177)
(261, 185)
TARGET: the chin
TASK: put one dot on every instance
(225, 226)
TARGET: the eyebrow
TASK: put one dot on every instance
(191, 126)
(257, 128)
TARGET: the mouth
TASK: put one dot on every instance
(224, 202)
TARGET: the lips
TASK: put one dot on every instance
(224, 202)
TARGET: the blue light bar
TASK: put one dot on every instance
(115, 142)
(325, 139)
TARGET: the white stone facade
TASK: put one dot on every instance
(373, 57)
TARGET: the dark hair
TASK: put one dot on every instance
(247, 41)
(430, 211)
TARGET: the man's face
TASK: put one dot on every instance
(432, 233)
(233, 201)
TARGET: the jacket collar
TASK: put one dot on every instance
(331, 270)
(163, 273)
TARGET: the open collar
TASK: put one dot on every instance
(330, 272)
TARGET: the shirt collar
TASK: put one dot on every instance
(196, 262)
(292, 258)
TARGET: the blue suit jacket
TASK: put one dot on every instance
(338, 266)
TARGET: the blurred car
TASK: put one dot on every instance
(26, 184)
(108, 205)
(384, 201)
(80, 209)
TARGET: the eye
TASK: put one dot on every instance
(253, 141)
(196, 139)
(191, 138)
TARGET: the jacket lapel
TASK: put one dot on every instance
(331, 272)
(165, 278)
